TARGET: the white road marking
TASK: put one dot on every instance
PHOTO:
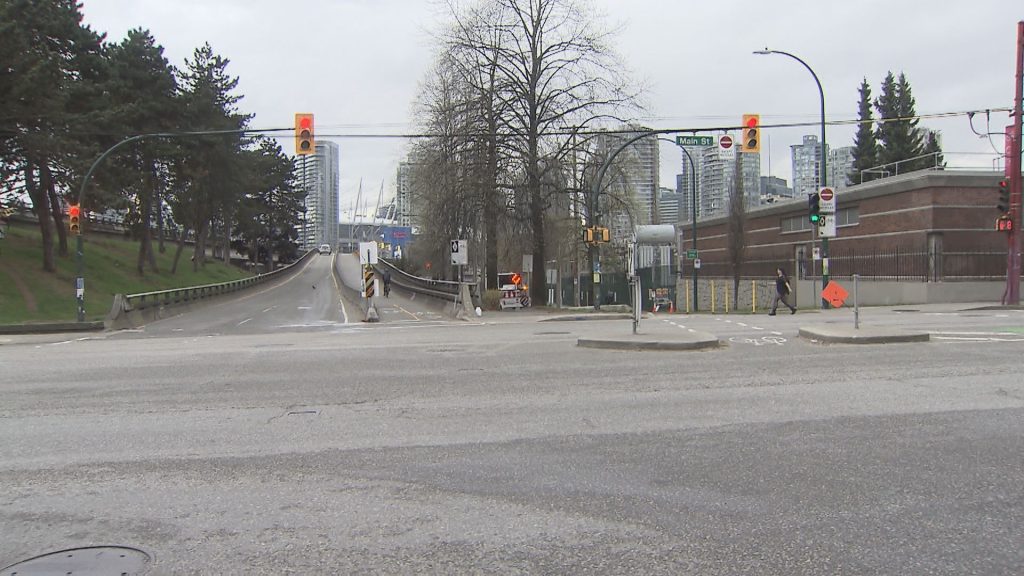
(978, 339)
(243, 321)
(268, 309)
(777, 333)
(977, 333)
(742, 324)
(305, 307)
(757, 328)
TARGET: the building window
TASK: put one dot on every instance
(845, 217)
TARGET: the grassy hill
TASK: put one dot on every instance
(28, 294)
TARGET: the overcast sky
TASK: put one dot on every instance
(357, 65)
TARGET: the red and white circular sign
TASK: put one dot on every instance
(826, 194)
(725, 141)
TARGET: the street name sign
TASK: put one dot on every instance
(695, 140)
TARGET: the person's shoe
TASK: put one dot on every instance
(771, 313)
(792, 310)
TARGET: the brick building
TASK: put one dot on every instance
(924, 228)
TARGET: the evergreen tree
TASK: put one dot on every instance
(209, 186)
(50, 97)
(143, 89)
(865, 142)
(932, 146)
(898, 133)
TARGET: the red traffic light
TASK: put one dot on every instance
(752, 120)
(1004, 223)
(304, 139)
(74, 210)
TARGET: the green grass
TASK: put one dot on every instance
(109, 269)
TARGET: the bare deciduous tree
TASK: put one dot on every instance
(542, 74)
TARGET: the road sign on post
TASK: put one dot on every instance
(460, 253)
(827, 200)
(367, 253)
(827, 226)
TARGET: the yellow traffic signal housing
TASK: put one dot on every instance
(588, 235)
(74, 212)
(603, 235)
(304, 142)
(751, 141)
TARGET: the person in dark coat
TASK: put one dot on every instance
(782, 290)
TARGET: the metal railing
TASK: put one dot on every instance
(190, 294)
(909, 165)
(443, 289)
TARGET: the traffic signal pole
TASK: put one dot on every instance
(1013, 164)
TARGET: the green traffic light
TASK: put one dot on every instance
(815, 218)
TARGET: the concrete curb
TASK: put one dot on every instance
(590, 316)
(863, 336)
(704, 343)
(51, 327)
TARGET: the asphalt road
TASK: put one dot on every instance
(498, 446)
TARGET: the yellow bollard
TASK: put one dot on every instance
(713, 309)
(726, 298)
(753, 296)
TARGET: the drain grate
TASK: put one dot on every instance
(92, 561)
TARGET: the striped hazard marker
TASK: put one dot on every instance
(368, 282)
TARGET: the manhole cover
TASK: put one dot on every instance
(93, 561)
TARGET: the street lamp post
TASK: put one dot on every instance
(693, 210)
(824, 157)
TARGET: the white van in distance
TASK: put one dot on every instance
(325, 249)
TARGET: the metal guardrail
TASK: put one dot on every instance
(180, 296)
(443, 289)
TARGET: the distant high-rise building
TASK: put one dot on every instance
(319, 175)
(639, 162)
(687, 182)
(668, 206)
(806, 166)
(403, 195)
(774, 189)
(840, 164)
(718, 179)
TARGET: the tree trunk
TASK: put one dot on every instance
(159, 204)
(145, 217)
(47, 185)
(41, 206)
(199, 254)
(177, 253)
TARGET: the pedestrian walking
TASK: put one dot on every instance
(782, 290)
(387, 283)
